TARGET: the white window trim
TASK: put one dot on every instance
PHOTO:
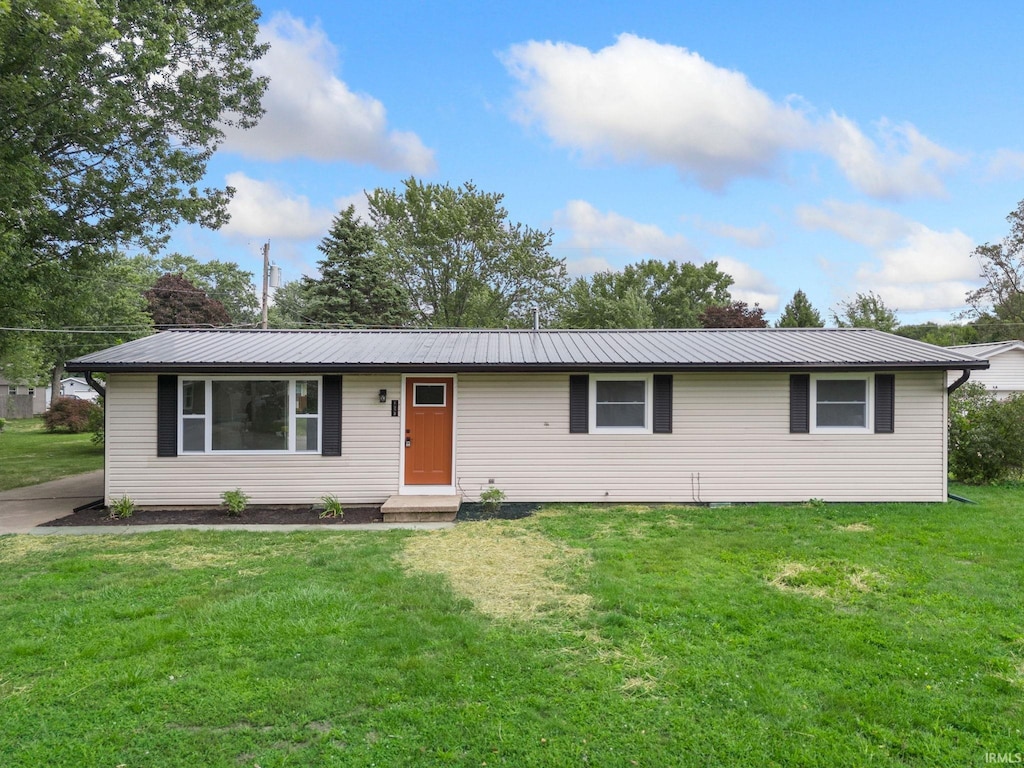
(648, 427)
(444, 398)
(869, 405)
(208, 416)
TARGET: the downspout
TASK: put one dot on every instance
(95, 384)
(964, 376)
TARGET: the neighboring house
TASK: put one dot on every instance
(729, 415)
(1005, 375)
(21, 400)
(78, 388)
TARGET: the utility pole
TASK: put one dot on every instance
(266, 280)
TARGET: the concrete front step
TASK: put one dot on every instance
(421, 509)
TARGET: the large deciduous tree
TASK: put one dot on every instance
(103, 306)
(865, 310)
(799, 313)
(109, 113)
(735, 315)
(175, 302)
(648, 294)
(356, 285)
(223, 281)
(461, 260)
(997, 307)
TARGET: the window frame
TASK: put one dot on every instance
(869, 404)
(444, 395)
(207, 417)
(648, 381)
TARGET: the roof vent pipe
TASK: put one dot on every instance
(536, 318)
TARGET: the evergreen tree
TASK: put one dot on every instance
(356, 285)
(799, 313)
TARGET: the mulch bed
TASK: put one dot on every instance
(273, 515)
(254, 515)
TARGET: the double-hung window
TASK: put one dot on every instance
(231, 414)
(841, 403)
(620, 403)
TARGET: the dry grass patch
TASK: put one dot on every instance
(856, 528)
(832, 580)
(177, 558)
(14, 549)
(508, 572)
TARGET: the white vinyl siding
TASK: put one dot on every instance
(730, 442)
(365, 473)
(1005, 375)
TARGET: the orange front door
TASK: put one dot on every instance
(428, 431)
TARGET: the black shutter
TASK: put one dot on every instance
(331, 414)
(885, 403)
(579, 405)
(166, 415)
(662, 405)
(800, 403)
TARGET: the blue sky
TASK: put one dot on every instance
(830, 147)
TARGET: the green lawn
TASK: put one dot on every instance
(30, 455)
(833, 635)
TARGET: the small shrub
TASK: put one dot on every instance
(3, 423)
(491, 500)
(332, 507)
(69, 414)
(236, 501)
(986, 435)
(96, 424)
(122, 508)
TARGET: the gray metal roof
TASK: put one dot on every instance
(989, 349)
(445, 351)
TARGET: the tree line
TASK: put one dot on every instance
(109, 114)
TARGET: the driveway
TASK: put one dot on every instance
(22, 509)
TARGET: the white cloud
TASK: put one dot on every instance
(912, 266)
(592, 230)
(906, 164)
(642, 101)
(924, 256)
(639, 100)
(749, 285)
(1006, 164)
(760, 236)
(261, 209)
(857, 222)
(311, 113)
(587, 265)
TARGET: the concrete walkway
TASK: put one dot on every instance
(22, 509)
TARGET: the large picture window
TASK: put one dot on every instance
(233, 414)
(620, 404)
(841, 403)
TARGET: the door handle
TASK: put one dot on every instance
(408, 442)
